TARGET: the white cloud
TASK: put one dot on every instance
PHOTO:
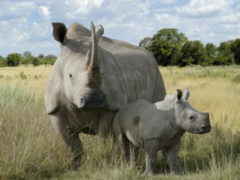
(167, 1)
(41, 30)
(14, 10)
(28, 22)
(74, 9)
(44, 11)
(205, 8)
(166, 20)
(231, 17)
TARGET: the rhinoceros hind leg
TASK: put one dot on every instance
(125, 147)
(70, 137)
(134, 152)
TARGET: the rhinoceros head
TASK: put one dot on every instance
(188, 118)
(80, 71)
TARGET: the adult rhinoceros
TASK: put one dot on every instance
(92, 78)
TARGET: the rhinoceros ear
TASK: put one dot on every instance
(179, 94)
(186, 94)
(59, 31)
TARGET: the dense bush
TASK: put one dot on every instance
(170, 47)
(15, 59)
(2, 62)
(166, 46)
(35, 61)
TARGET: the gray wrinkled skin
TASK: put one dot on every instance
(158, 126)
(92, 78)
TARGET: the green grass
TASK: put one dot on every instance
(31, 149)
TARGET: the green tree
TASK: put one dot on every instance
(2, 62)
(27, 54)
(146, 42)
(166, 46)
(225, 55)
(235, 48)
(193, 52)
(35, 61)
(13, 59)
(50, 59)
(211, 53)
(41, 55)
(27, 58)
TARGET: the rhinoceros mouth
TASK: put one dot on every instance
(94, 100)
(202, 130)
(205, 129)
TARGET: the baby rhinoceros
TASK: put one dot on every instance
(159, 126)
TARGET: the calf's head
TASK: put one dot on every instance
(80, 70)
(188, 118)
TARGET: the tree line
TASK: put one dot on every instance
(15, 59)
(170, 47)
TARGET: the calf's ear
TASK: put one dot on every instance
(186, 94)
(59, 31)
(179, 94)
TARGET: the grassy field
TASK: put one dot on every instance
(30, 148)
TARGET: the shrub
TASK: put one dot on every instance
(13, 59)
(35, 61)
(2, 62)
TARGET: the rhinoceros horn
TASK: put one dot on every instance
(94, 54)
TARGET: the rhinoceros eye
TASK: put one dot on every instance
(70, 75)
(192, 118)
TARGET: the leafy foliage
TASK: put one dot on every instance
(166, 46)
(235, 48)
(193, 52)
(2, 61)
(15, 59)
(170, 47)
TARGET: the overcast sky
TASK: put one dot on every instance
(26, 25)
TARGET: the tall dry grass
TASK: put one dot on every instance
(30, 148)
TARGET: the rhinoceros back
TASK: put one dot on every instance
(128, 73)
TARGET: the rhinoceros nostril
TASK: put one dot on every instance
(205, 129)
(81, 102)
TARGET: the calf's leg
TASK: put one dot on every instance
(125, 147)
(134, 152)
(171, 154)
(120, 137)
(151, 148)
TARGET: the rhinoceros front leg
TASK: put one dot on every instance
(171, 155)
(105, 124)
(70, 137)
(151, 148)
